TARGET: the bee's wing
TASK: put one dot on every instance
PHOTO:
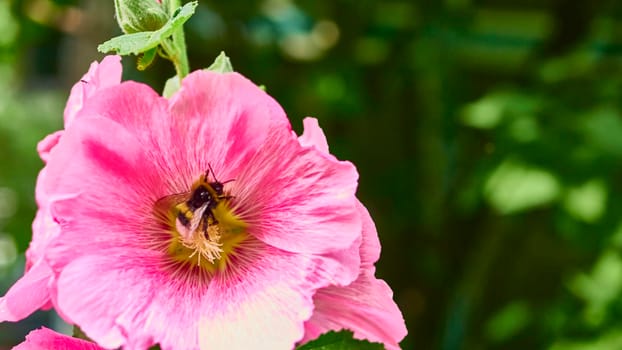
(165, 207)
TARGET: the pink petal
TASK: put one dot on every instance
(297, 198)
(313, 136)
(27, 295)
(220, 120)
(107, 295)
(365, 307)
(46, 339)
(100, 76)
(127, 295)
(104, 186)
(265, 309)
(370, 248)
(47, 144)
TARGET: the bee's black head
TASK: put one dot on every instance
(218, 187)
(199, 197)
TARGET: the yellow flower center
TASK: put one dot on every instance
(204, 229)
(211, 244)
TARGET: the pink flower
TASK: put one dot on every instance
(200, 220)
(31, 292)
(46, 339)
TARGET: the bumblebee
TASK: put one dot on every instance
(196, 213)
(193, 211)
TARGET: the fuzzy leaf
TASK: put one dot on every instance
(222, 64)
(342, 340)
(136, 43)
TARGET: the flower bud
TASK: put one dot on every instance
(140, 15)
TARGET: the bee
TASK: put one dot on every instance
(194, 211)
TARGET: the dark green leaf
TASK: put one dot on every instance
(339, 341)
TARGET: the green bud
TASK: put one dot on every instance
(140, 15)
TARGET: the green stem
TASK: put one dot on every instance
(179, 41)
(176, 49)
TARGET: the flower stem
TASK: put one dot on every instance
(176, 48)
(181, 65)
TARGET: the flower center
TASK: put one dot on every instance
(204, 229)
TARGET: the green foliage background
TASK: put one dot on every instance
(487, 134)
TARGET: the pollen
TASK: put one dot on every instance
(206, 237)
(205, 244)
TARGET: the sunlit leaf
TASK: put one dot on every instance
(513, 187)
(586, 202)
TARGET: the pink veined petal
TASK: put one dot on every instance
(105, 186)
(107, 295)
(220, 120)
(313, 136)
(47, 339)
(264, 310)
(27, 295)
(366, 306)
(297, 198)
(101, 75)
(261, 303)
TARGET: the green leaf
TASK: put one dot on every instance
(137, 43)
(146, 58)
(339, 341)
(171, 87)
(222, 64)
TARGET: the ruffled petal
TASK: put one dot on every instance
(103, 181)
(366, 306)
(127, 298)
(262, 307)
(101, 75)
(47, 144)
(47, 339)
(297, 198)
(107, 296)
(219, 120)
(313, 136)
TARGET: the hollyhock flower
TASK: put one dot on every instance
(203, 208)
(31, 291)
(46, 339)
(366, 306)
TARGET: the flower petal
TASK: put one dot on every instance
(366, 306)
(107, 296)
(27, 295)
(220, 120)
(47, 339)
(297, 198)
(266, 308)
(47, 144)
(313, 135)
(100, 76)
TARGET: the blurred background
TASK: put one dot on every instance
(487, 135)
